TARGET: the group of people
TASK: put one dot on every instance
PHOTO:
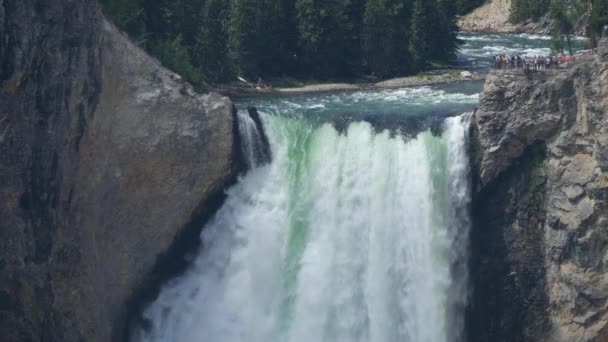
(508, 62)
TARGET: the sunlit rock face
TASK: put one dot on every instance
(541, 213)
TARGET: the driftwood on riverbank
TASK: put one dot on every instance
(243, 89)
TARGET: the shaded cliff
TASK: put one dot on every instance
(106, 159)
(540, 236)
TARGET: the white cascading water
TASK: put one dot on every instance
(251, 142)
(358, 236)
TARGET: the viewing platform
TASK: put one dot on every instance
(549, 64)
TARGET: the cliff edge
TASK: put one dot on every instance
(106, 159)
(540, 236)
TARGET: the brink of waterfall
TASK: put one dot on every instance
(255, 148)
(345, 236)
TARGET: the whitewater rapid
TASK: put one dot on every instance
(480, 48)
(346, 236)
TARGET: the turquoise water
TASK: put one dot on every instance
(478, 49)
(346, 236)
(357, 231)
(456, 97)
(407, 111)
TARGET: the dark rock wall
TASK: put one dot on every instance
(507, 255)
(50, 74)
(106, 158)
(540, 236)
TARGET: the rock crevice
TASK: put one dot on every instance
(539, 152)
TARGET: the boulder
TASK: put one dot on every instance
(466, 74)
(106, 160)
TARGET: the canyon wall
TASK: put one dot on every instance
(107, 160)
(493, 16)
(540, 236)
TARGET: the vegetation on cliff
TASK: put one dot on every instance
(216, 40)
(568, 16)
(598, 18)
(522, 10)
(465, 6)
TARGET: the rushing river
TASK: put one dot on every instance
(357, 230)
(478, 49)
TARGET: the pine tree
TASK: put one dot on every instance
(465, 6)
(599, 18)
(211, 51)
(356, 13)
(175, 55)
(419, 34)
(216, 39)
(386, 37)
(128, 15)
(278, 36)
(522, 10)
(244, 35)
(444, 38)
(563, 25)
(326, 36)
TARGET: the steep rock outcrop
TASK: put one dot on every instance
(493, 16)
(106, 159)
(540, 237)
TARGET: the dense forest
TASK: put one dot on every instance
(211, 41)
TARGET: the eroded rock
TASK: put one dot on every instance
(566, 114)
(106, 157)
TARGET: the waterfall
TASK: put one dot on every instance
(343, 237)
(253, 142)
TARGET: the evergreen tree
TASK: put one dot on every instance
(599, 18)
(522, 10)
(214, 40)
(444, 39)
(356, 12)
(465, 6)
(327, 36)
(177, 57)
(244, 35)
(264, 36)
(563, 25)
(420, 34)
(278, 36)
(211, 50)
(128, 15)
(181, 17)
(386, 37)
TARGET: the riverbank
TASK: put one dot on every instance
(429, 78)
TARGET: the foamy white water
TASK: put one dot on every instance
(479, 48)
(343, 237)
(252, 146)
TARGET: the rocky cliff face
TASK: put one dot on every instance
(540, 237)
(493, 16)
(106, 160)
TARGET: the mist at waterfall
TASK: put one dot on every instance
(356, 235)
